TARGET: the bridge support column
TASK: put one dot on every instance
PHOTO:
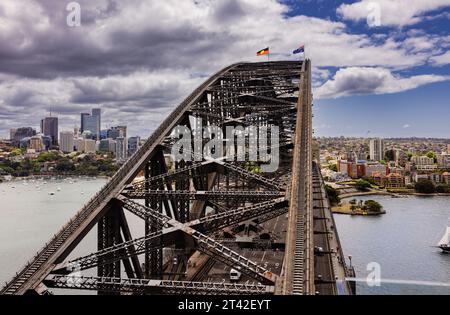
(154, 256)
(108, 236)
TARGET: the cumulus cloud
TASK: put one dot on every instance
(122, 97)
(365, 80)
(441, 60)
(139, 56)
(120, 37)
(392, 12)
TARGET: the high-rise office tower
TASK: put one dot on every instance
(97, 112)
(92, 122)
(133, 145)
(116, 132)
(12, 133)
(83, 117)
(377, 149)
(47, 140)
(121, 149)
(49, 127)
(21, 133)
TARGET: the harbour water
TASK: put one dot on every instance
(400, 241)
(32, 211)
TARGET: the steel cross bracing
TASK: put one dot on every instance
(170, 227)
(228, 167)
(244, 195)
(146, 286)
(186, 204)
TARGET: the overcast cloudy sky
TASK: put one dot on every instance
(136, 59)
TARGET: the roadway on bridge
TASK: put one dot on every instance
(271, 259)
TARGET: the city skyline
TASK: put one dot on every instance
(395, 73)
(90, 138)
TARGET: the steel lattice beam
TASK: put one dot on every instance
(145, 212)
(233, 217)
(245, 174)
(111, 254)
(242, 195)
(166, 237)
(232, 259)
(146, 286)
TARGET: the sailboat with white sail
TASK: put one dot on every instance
(444, 243)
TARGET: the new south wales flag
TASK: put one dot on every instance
(263, 52)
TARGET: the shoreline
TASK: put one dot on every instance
(364, 193)
(346, 209)
(38, 177)
(386, 193)
(358, 213)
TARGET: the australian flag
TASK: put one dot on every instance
(299, 50)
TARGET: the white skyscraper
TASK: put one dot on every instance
(377, 149)
(90, 146)
(66, 142)
(112, 146)
(80, 145)
(121, 149)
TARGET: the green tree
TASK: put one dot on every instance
(389, 155)
(370, 180)
(48, 157)
(363, 185)
(28, 166)
(425, 187)
(432, 155)
(333, 167)
(7, 170)
(442, 189)
(106, 166)
(333, 195)
(65, 166)
(372, 206)
(16, 152)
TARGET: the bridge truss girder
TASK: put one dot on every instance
(176, 195)
(145, 286)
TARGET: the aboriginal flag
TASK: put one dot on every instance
(263, 52)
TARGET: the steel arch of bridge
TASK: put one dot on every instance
(172, 201)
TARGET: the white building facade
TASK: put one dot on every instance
(66, 142)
